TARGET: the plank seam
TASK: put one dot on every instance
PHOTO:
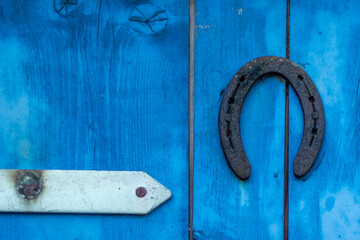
(191, 111)
(286, 154)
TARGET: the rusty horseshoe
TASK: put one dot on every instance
(229, 116)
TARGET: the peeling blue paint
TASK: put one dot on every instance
(340, 215)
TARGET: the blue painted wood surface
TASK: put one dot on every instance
(325, 41)
(229, 34)
(96, 86)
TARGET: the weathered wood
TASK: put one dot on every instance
(191, 113)
(95, 86)
(325, 41)
(229, 34)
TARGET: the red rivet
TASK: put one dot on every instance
(141, 192)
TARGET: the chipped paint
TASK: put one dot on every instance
(340, 215)
(202, 27)
(243, 194)
(275, 230)
(14, 101)
(302, 205)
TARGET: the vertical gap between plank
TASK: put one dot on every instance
(191, 111)
(286, 155)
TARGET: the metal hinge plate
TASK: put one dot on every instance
(63, 191)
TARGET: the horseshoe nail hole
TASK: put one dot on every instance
(231, 100)
(228, 111)
(228, 133)
(311, 99)
(315, 115)
(314, 131)
(311, 141)
(231, 144)
(300, 77)
(242, 78)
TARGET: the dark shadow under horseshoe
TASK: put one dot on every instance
(229, 116)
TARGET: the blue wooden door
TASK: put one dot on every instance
(103, 85)
(326, 204)
(95, 85)
(324, 41)
(239, 31)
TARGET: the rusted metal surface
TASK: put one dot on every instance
(74, 191)
(28, 183)
(230, 110)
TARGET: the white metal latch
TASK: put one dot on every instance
(73, 191)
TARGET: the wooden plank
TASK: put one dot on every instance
(228, 35)
(94, 87)
(191, 113)
(324, 40)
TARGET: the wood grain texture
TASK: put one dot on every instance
(96, 86)
(228, 35)
(325, 41)
(191, 113)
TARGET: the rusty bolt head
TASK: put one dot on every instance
(29, 190)
(29, 184)
(141, 192)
